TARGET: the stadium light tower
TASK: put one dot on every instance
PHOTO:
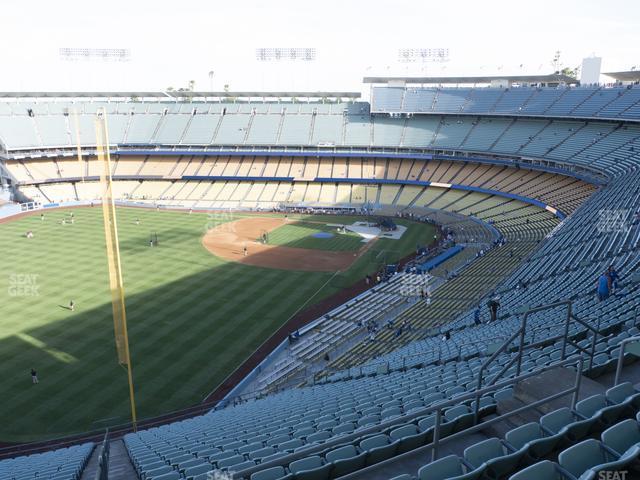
(422, 56)
(85, 66)
(93, 54)
(286, 54)
(297, 60)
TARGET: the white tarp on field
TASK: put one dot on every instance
(369, 233)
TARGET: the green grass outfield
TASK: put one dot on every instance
(193, 318)
(300, 235)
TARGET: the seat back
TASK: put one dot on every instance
(229, 462)
(305, 464)
(278, 440)
(557, 420)
(456, 412)
(519, 437)
(190, 472)
(343, 428)
(262, 452)
(620, 393)
(373, 442)
(291, 444)
(369, 420)
(348, 451)
(479, 453)
(272, 473)
(403, 431)
(590, 405)
(318, 437)
(427, 423)
(222, 456)
(446, 467)
(544, 470)
(581, 457)
(168, 476)
(622, 436)
(250, 447)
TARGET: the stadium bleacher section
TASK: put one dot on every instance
(239, 182)
(62, 464)
(589, 102)
(379, 399)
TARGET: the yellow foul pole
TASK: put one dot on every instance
(78, 146)
(113, 255)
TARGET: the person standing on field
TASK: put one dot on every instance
(34, 376)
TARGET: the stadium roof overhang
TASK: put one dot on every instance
(180, 94)
(628, 76)
(543, 79)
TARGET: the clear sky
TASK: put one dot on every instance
(172, 43)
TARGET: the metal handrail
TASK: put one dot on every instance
(520, 332)
(476, 427)
(102, 473)
(529, 346)
(622, 346)
(596, 332)
(341, 439)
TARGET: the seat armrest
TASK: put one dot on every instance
(582, 417)
(611, 451)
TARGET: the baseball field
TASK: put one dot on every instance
(198, 304)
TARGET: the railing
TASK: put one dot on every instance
(575, 390)
(567, 340)
(103, 459)
(622, 345)
(520, 333)
(396, 421)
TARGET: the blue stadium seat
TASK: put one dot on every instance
(451, 467)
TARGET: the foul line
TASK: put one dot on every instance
(267, 339)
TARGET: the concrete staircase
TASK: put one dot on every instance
(120, 467)
(89, 472)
